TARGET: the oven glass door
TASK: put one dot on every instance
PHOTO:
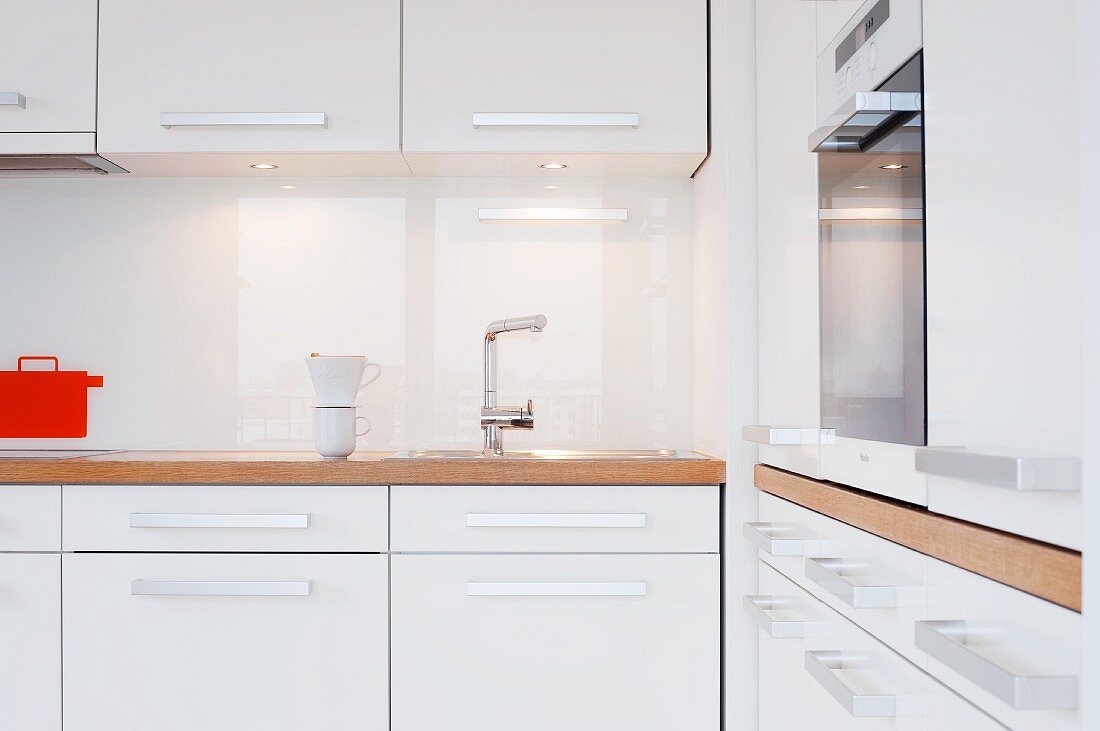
(871, 214)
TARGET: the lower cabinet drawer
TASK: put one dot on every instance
(181, 642)
(544, 643)
(226, 518)
(30, 642)
(533, 519)
(820, 671)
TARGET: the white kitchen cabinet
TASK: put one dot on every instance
(30, 517)
(224, 642)
(1004, 257)
(311, 87)
(495, 87)
(790, 352)
(30, 634)
(590, 643)
(48, 76)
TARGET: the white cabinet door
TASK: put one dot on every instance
(47, 67)
(1004, 257)
(790, 352)
(30, 635)
(225, 642)
(564, 82)
(543, 643)
(252, 77)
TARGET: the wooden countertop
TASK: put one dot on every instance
(1047, 571)
(362, 468)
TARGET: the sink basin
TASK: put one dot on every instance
(547, 454)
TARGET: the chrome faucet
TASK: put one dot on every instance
(495, 419)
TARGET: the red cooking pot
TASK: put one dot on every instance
(41, 403)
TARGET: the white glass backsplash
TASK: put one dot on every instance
(197, 300)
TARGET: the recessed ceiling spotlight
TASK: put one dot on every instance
(289, 187)
(893, 166)
(263, 166)
(553, 166)
(860, 187)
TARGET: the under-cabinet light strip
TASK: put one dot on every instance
(577, 215)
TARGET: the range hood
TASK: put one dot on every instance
(57, 165)
(865, 118)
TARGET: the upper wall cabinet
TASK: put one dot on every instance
(47, 76)
(312, 87)
(498, 87)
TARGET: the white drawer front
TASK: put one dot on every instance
(222, 518)
(555, 519)
(879, 585)
(1014, 655)
(30, 517)
(238, 655)
(851, 681)
(559, 644)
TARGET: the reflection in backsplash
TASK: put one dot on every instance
(198, 299)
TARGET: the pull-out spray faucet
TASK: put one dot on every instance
(494, 419)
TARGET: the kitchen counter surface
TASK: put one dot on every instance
(362, 468)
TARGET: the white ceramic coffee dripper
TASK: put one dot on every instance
(338, 379)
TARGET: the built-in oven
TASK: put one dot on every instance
(870, 154)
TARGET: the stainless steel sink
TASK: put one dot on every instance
(547, 454)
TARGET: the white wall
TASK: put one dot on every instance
(725, 325)
(197, 299)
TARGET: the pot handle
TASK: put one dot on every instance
(19, 362)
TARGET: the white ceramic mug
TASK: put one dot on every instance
(334, 432)
(338, 379)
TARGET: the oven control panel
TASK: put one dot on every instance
(879, 38)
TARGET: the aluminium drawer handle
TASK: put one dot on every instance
(210, 520)
(828, 573)
(555, 520)
(758, 606)
(238, 119)
(140, 587)
(1026, 474)
(786, 436)
(529, 119)
(555, 588)
(949, 642)
(822, 666)
(765, 537)
(12, 99)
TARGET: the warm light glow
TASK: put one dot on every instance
(551, 187)
(553, 166)
(289, 187)
(893, 166)
(263, 166)
(860, 187)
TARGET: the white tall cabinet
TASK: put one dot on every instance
(48, 76)
(1004, 256)
(790, 352)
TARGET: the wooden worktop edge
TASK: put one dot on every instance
(1050, 572)
(239, 470)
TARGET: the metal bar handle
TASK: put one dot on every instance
(787, 436)
(212, 520)
(822, 666)
(555, 588)
(1026, 474)
(554, 119)
(555, 520)
(949, 642)
(141, 587)
(758, 606)
(764, 536)
(828, 573)
(12, 99)
(238, 119)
